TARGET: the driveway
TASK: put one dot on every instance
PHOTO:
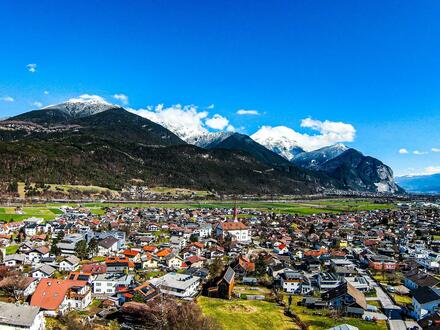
(392, 311)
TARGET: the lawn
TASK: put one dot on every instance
(8, 213)
(246, 314)
(401, 300)
(323, 321)
(375, 303)
(11, 249)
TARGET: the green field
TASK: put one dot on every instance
(11, 249)
(47, 213)
(246, 314)
(50, 210)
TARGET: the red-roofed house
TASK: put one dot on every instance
(236, 230)
(56, 296)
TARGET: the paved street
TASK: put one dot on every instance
(392, 311)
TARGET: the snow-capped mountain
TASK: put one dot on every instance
(281, 141)
(314, 159)
(82, 107)
(206, 139)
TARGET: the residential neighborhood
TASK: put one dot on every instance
(374, 268)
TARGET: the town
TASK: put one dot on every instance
(121, 266)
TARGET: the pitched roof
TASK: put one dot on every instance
(423, 279)
(17, 315)
(50, 292)
(426, 294)
(233, 226)
(73, 260)
(108, 242)
(94, 268)
(229, 275)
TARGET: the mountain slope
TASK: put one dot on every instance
(74, 108)
(244, 143)
(359, 172)
(428, 184)
(314, 159)
(111, 147)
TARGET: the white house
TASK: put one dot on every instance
(15, 316)
(108, 284)
(425, 301)
(294, 282)
(178, 285)
(43, 271)
(107, 246)
(236, 230)
(14, 260)
(69, 264)
(173, 261)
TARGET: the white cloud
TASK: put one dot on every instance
(122, 98)
(426, 171)
(46, 92)
(37, 104)
(210, 107)
(432, 170)
(7, 99)
(403, 151)
(435, 149)
(418, 152)
(32, 67)
(247, 112)
(217, 122)
(185, 121)
(89, 98)
(329, 133)
(230, 128)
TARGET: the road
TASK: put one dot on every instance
(392, 311)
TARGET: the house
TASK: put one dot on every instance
(294, 282)
(420, 279)
(55, 296)
(359, 282)
(133, 255)
(178, 285)
(118, 264)
(222, 286)
(426, 301)
(15, 260)
(174, 261)
(327, 281)
(147, 291)
(243, 266)
(382, 263)
(36, 254)
(280, 249)
(110, 284)
(149, 261)
(15, 316)
(69, 264)
(43, 271)
(25, 285)
(237, 231)
(94, 268)
(119, 235)
(68, 243)
(347, 298)
(107, 246)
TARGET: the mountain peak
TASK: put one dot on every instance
(83, 106)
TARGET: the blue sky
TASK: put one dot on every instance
(374, 65)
